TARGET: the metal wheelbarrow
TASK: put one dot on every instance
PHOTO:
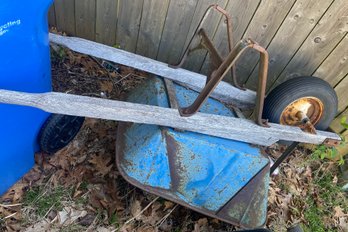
(180, 141)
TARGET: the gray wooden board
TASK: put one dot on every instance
(151, 27)
(342, 93)
(128, 24)
(65, 16)
(106, 21)
(330, 30)
(215, 125)
(85, 18)
(241, 12)
(224, 91)
(296, 27)
(335, 66)
(52, 16)
(336, 123)
(177, 24)
(195, 60)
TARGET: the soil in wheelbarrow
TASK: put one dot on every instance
(80, 189)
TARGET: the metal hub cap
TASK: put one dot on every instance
(301, 109)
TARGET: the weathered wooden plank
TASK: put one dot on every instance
(223, 92)
(336, 124)
(52, 16)
(85, 18)
(335, 66)
(65, 16)
(240, 21)
(128, 24)
(151, 27)
(301, 20)
(176, 27)
(195, 60)
(216, 125)
(342, 93)
(331, 28)
(106, 21)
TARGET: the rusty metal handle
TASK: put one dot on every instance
(216, 77)
(220, 73)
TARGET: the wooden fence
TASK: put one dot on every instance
(303, 37)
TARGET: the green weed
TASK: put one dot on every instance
(329, 196)
(42, 200)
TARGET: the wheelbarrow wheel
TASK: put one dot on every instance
(58, 131)
(301, 99)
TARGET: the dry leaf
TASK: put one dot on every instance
(101, 164)
(135, 209)
(69, 215)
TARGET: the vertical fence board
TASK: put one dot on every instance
(65, 16)
(51, 16)
(296, 27)
(335, 66)
(130, 12)
(342, 94)
(265, 23)
(240, 21)
(336, 124)
(196, 59)
(106, 21)
(85, 18)
(322, 40)
(151, 27)
(177, 25)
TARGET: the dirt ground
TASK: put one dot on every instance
(80, 189)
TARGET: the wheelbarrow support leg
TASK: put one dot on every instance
(285, 155)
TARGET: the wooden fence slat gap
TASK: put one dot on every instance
(164, 23)
(342, 93)
(151, 27)
(106, 21)
(345, 76)
(85, 11)
(251, 19)
(52, 20)
(141, 17)
(325, 58)
(177, 23)
(336, 124)
(281, 24)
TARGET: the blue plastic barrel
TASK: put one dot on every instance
(24, 66)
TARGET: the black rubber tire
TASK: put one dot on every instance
(296, 228)
(58, 131)
(299, 87)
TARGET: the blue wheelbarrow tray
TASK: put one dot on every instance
(221, 178)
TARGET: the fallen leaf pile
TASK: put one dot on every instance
(80, 189)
